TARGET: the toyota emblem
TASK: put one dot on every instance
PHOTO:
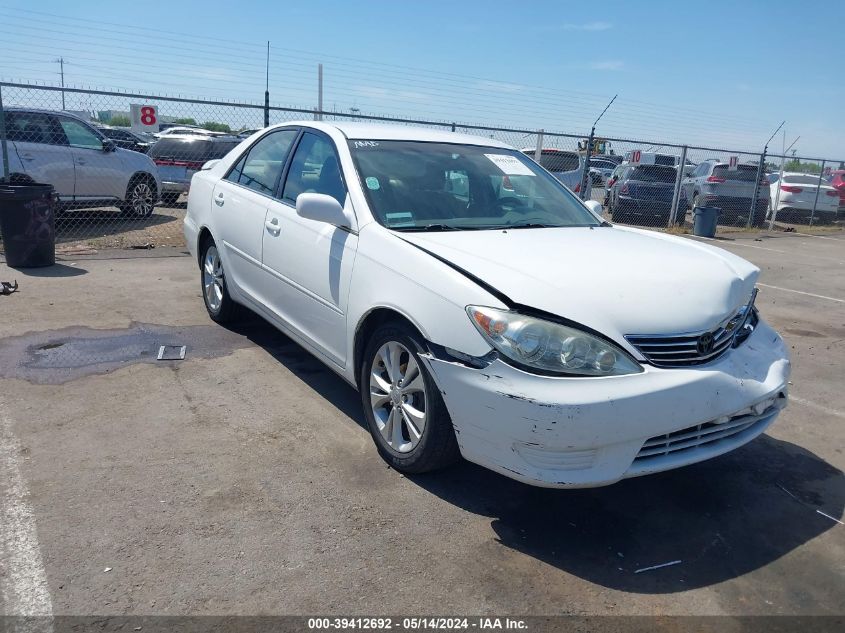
(705, 343)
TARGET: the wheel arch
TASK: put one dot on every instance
(368, 324)
(145, 175)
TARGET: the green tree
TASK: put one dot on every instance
(119, 121)
(216, 127)
(185, 121)
(796, 165)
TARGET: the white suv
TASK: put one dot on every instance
(85, 168)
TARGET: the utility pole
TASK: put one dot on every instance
(586, 174)
(267, 89)
(61, 62)
(760, 167)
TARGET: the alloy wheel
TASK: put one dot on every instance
(141, 198)
(212, 278)
(398, 396)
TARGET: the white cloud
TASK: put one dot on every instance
(613, 64)
(588, 26)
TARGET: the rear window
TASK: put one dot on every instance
(744, 173)
(653, 173)
(193, 149)
(558, 161)
(802, 180)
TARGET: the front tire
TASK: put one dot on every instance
(405, 412)
(141, 197)
(215, 293)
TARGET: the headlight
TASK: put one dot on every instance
(550, 347)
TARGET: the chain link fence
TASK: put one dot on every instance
(136, 199)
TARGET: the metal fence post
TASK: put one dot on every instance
(818, 189)
(760, 167)
(5, 147)
(676, 196)
(585, 176)
(318, 116)
(538, 151)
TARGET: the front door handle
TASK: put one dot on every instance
(273, 226)
(219, 199)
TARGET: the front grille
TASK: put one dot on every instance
(686, 350)
(706, 434)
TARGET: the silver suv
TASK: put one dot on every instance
(85, 168)
(566, 166)
(713, 184)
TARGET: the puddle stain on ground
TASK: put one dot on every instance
(59, 356)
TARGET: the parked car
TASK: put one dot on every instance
(796, 193)
(443, 276)
(643, 194)
(601, 170)
(837, 181)
(713, 184)
(85, 168)
(566, 166)
(179, 157)
(186, 130)
(126, 139)
(654, 158)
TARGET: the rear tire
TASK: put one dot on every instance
(404, 409)
(215, 293)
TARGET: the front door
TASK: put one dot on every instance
(99, 174)
(311, 261)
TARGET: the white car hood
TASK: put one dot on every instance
(615, 280)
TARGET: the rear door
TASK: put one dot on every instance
(99, 174)
(240, 205)
(42, 149)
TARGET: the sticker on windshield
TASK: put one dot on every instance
(362, 144)
(399, 218)
(510, 165)
(372, 183)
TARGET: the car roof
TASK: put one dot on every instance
(200, 137)
(354, 130)
(44, 111)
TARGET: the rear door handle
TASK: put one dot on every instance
(273, 226)
(219, 199)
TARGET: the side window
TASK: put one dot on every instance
(235, 173)
(80, 135)
(262, 166)
(25, 127)
(315, 169)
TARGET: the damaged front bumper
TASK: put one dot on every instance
(585, 432)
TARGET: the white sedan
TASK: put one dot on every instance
(454, 283)
(796, 193)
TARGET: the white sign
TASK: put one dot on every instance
(144, 117)
(733, 161)
(636, 157)
(510, 165)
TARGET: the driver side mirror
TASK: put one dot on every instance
(322, 208)
(108, 145)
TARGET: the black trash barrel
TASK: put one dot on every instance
(27, 224)
(704, 221)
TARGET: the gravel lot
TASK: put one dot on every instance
(242, 480)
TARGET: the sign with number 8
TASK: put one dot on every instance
(144, 117)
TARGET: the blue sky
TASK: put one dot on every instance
(722, 73)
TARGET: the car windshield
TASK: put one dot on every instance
(413, 185)
(653, 173)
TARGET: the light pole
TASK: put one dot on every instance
(586, 174)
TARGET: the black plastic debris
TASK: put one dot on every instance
(7, 288)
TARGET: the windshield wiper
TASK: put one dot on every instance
(532, 225)
(430, 227)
